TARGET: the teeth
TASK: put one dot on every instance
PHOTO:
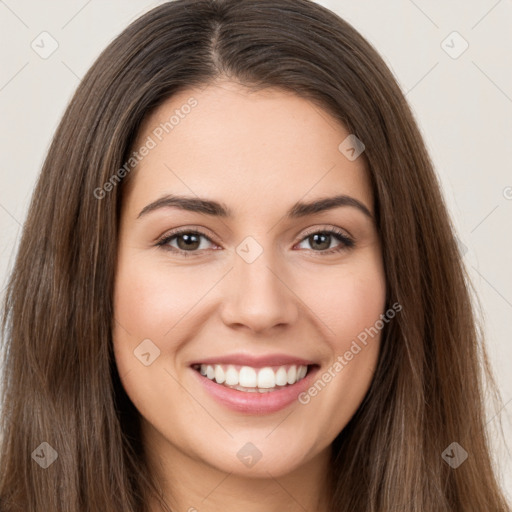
(292, 374)
(253, 379)
(232, 377)
(282, 377)
(248, 377)
(220, 376)
(266, 378)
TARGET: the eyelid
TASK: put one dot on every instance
(325, 227)
(200, 230)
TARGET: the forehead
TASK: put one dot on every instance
(252, 150)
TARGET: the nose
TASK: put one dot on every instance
(257, 296)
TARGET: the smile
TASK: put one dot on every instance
(249, 379)
(254, 384)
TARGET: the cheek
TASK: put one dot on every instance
(149, 301)
(360, 304)
(143, 310)
(351, 314)
(153, 301)
(349, 301)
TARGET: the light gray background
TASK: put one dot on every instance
(463, 106)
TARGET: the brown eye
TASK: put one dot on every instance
(320, 241)
(187, 241)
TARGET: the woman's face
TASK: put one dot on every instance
(254, 288)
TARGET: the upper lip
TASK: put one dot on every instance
(255, 361)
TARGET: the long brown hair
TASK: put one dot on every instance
(60, 383)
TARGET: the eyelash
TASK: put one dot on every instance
(347, 242)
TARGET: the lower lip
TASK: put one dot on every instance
(256, 402)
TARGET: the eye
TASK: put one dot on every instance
(189, 241)
(322, 241)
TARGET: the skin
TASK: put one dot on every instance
(258, 153)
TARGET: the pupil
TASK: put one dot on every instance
(189, 240)
(324, 236)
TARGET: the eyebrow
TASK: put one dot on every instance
(217, 209)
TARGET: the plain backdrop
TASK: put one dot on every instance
(451, 59)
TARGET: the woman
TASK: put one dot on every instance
(255, 370)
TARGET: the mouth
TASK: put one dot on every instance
(254, 384)
(249, 379)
